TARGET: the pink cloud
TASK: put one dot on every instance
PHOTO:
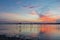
(9, 17)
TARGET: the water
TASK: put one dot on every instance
(40, 31)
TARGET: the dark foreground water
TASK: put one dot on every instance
(29, 32)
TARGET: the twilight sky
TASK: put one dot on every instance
(28, 10)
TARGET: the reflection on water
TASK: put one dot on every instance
(44, 31)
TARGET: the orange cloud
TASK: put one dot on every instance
(48, 19)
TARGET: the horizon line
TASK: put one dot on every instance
(29, 23)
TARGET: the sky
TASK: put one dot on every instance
(28, 10)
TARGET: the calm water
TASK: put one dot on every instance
(33, 30)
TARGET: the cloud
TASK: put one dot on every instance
(12, 17)
(30, 17)
(9, 17)
(31, 6)
(50, 16)
(19, 2)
